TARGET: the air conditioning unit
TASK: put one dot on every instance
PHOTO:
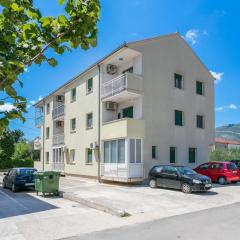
(59, 124)
(60, 98)
(111, 106)
(111, 69)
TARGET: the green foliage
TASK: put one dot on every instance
(15, 151)
(224, 154)
(26, 35)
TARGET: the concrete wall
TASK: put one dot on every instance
(161, 59)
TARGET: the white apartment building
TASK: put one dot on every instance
(148, 102)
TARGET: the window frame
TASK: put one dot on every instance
(175, 154)
(73, 96)
(202, 88)
(202, 123)
(47, 132)
(47, 155)
(48, 109)
(72, 156)
(195, 155)
(154, 152)
(89, 90)
(88, 150)
(176, 81)
(89, 127)
(71, 125)
(175, 118)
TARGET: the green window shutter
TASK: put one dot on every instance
(178, 118)
(172, 155)
(73, 124)
(127, 112)
(154, 152)
(73, 95)
(89, 85)
(199, 88)
(200, 123)
(192, 155)
(89, 155)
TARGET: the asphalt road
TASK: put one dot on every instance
(20, 203)
(217, 223)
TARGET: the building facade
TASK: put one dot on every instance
(224, 144)
(148, 102)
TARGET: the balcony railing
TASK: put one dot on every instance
(126, 81)
(39, 121)
(58, 139)
(58, 111)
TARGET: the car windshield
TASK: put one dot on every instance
(232, 166)
(27, 171)
(186, 171)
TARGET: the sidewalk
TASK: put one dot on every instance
(142, 202)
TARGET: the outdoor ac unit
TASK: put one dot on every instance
(59, 123)
(60, 98)
(111, 69)
(111, 106)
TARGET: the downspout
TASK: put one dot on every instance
(43, 135)
(99, 124)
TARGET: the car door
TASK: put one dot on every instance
(204, 169)
(171, 178)
(9, 178)
(215, 170)
(158, 173)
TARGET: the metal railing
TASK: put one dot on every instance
(58, 139)
(58, 111)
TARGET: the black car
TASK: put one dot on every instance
(237, 162)
(178, 177)
(19, 178)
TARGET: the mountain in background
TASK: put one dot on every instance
(229, 132)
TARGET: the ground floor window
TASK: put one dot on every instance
(154, 152)
(89, 156)
(114, 151)
(135, 147)
(192, 152)
(172, 154)
(47, 157)
(72, 156)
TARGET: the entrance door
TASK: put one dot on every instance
(127, 112)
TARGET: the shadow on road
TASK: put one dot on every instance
(20, 203)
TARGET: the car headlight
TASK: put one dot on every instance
(197, 181)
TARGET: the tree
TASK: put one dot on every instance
(26, 35)
(224, 154)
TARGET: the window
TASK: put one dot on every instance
(128, 70)
(178, 81)
(47, 132)
(178, 118)
(89, 156)
(127, 112)
(217, 166)
(47, 157)
(72, 156)
(89, 85)
(200, 121)
(199, 88)
(48, 108)
(135, 150)
(89, 120)
(192, 155)
(114, 151)
(172, 155)
(73, 124)
(154, 152)
(73, 95)
(204, 166)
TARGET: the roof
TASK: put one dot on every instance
(123, 45)
(225, 141)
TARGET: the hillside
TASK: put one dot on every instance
(230, 132)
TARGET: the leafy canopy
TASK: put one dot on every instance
(26, 35)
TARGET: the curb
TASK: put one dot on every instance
(95, 205)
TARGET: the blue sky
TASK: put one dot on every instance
(210, 27)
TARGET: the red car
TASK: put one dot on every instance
(221, 172)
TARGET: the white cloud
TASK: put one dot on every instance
(32, 102)
(225, 108)
(7, 107)
(217, 76)
(28, 106)
(40, 98)
(192, 36)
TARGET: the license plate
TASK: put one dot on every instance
(29, 184)
(208, 185)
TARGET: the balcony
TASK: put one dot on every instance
(58, 139)
(122, 128)
(58, 112)
(122, 87)
(131, 172)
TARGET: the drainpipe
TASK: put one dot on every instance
(99, 124)
(43, 135)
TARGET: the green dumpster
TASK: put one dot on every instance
(47, 182)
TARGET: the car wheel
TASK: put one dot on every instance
(13, 188)
(152, 183)
(222, 180)
(186, 188)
